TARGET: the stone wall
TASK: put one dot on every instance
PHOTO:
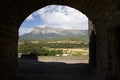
(103, 13)
(8, 53)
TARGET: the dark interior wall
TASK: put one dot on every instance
(118, 52)
(8, 52)
(103, 14)
(92, 49)
(92, 44)
(113, 47)
(113, 53)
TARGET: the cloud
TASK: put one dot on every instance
(63, 16)
(56, 16)
(30, 17)
(24, 30)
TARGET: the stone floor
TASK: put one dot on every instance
(35, 70)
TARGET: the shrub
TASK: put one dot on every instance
(28, 47)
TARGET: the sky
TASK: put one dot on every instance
(55, 16)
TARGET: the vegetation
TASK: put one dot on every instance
(73, 47)
(28, 47)
(66, 45)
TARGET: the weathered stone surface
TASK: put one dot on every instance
(104, 14)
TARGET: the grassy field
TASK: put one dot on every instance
(67, 46)
(73, 51)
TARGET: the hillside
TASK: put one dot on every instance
(41, 33)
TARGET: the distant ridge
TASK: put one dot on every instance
(52, 33)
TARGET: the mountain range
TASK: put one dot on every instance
(52, 33)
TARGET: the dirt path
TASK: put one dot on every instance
(36, 70)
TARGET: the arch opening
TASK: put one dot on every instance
(62, 24)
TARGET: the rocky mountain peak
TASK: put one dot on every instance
(51, 32)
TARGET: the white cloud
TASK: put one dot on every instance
(66, 17)
(30, 17)
(24, 30)
(58, 16)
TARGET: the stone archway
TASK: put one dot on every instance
(101, 13)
